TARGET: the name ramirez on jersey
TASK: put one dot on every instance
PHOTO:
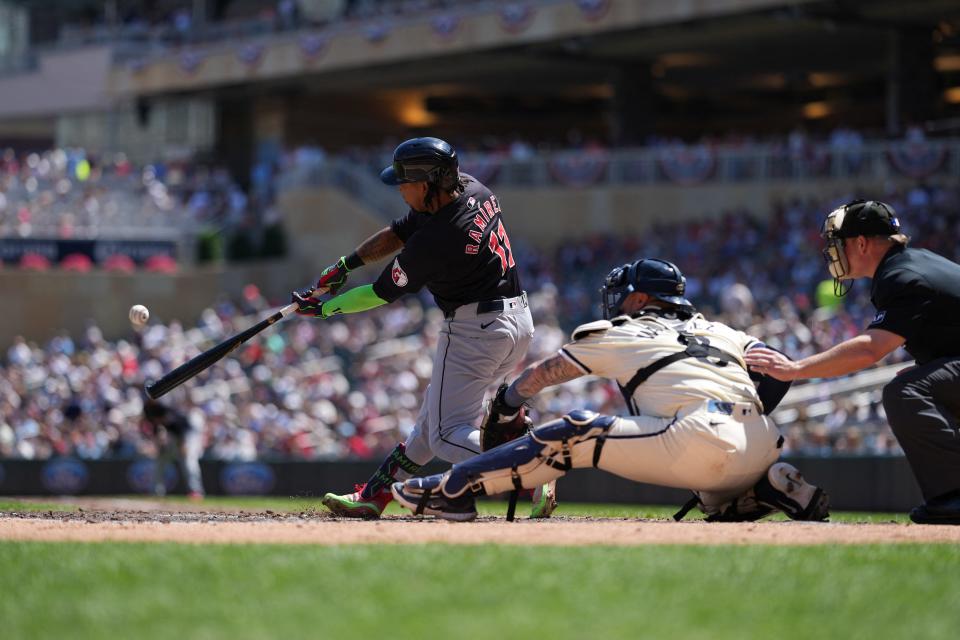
(461, 253)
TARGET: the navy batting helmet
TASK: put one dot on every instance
(658, 278)
(424, 160)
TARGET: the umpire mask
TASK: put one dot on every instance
(870, 218)
(834, 254)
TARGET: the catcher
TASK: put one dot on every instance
(697, 420)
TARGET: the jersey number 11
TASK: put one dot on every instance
(500, 245)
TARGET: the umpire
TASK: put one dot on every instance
(917, 297)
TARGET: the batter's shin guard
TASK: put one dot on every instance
(386, 474)
(784, 488)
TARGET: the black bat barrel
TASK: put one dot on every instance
(203, 361)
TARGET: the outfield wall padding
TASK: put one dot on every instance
(855, 483)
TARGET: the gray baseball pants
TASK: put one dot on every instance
(474, 353)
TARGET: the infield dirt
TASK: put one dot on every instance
(145, 521)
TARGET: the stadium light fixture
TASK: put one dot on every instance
(815, 110)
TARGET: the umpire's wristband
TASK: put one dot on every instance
(513, 398)
(353, 261)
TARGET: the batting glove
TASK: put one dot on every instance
(307, 305)
(334, 277)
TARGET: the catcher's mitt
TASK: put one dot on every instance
(502, 423)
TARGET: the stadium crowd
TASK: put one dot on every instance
(75, 193)
(352, 386)
(70, 193)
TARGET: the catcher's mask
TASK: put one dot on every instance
(857, 218)
(658, 278)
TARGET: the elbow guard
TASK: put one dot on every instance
(770, 390)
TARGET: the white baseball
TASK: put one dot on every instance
(139, 314)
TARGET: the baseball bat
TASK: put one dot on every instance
(203, 361)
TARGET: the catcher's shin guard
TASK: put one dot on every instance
(576, 426)
(530, 461)
(784, 488)
(425, 497)
(499, 462)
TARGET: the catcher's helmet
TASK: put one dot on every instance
(659, 278)
(424, 160)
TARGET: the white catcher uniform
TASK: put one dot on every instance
(697, 423)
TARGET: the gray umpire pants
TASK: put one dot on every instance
(474, 353)
(923, 409)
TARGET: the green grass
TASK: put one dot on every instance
(486, 507)
(22, 505)
(248, 503)
(98, 590)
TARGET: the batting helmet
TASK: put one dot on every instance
(424, 160)
(658, 278)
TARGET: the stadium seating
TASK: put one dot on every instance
(352, 386)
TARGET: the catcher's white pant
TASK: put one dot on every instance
(718, 449)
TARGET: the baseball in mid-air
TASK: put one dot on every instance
(139, 315)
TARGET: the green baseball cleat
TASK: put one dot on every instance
(544, 500)
(354, 505)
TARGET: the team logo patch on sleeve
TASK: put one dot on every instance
(877, 319)
(399, 275)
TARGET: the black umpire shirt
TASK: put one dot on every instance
(461, 253)
(917, 296)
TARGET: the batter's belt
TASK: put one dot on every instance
(474, 309)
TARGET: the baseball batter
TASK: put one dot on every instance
(453, 241)
(696, 419)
